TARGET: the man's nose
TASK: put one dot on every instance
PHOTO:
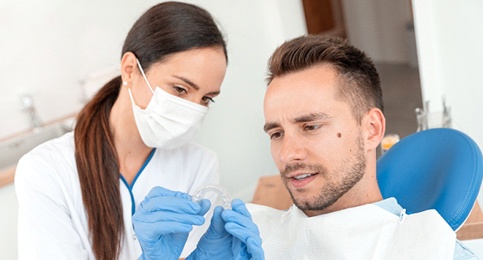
(292, 149)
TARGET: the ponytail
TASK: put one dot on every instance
(98, 170)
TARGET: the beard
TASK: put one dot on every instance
(349, 172)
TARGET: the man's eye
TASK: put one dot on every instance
(275, 135)
(311, 127)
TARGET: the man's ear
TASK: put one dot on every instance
(128, 66)
(374, 124)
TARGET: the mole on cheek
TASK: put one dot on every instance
(339, 135)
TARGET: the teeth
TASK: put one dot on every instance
(302, 176)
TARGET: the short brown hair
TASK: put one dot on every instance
(360, 83)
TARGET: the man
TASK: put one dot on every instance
(323, 112)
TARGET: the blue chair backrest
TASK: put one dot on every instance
(438, 168)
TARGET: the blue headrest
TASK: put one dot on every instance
(439, 168)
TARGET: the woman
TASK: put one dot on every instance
(77, 193)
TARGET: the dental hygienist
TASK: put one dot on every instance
(77, 193)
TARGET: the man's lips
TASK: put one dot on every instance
(303, 176)
(300, 175)
(299, 180)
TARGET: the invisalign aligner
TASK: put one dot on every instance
(220, 190)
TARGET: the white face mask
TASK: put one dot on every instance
(168, 121)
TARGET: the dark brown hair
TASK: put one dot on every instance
(360, 83)
(164, 29)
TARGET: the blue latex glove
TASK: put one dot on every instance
(163, 221)
(216, 243)
(247, 243)
(219, 243)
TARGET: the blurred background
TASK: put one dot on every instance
(56, 53)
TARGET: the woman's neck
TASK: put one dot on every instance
(130, 148)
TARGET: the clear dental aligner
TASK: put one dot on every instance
(222, 193)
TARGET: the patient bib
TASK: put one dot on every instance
(363, 232)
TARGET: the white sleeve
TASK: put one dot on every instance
(45, 227)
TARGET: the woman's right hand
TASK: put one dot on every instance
(163, 221)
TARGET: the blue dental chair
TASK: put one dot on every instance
(438, 168)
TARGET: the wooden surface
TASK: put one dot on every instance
(324, 17)
(473, 226)
(7, 175)
(271, 192)
(318, 15)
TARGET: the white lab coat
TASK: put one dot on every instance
(52, 223)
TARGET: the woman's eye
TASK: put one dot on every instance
(179, 90)
(207, 100)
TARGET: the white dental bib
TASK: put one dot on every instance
(364, 232)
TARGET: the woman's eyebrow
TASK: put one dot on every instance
(193, 85)
(187, 81)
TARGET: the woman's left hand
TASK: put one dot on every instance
(232, 235)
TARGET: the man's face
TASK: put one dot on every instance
(316, 142)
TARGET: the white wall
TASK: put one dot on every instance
(449, 43)
(378, 27)
(234, 125)
(48, 47)
(8, 223)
